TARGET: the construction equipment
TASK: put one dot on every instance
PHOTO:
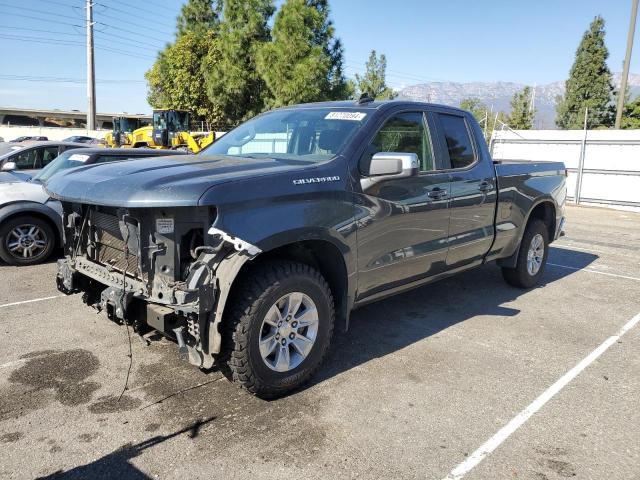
(170, 130)
(123, 127)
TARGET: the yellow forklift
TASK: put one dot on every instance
(120, 135)
(170, 130)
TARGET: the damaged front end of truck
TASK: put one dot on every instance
(167, 269)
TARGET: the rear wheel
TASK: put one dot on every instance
(532, 257)
(26, 240)
(279, 329)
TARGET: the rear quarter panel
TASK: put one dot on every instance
(521, 187)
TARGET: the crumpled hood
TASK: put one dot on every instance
(159, 181)
(22, 191)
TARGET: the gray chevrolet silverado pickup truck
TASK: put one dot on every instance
(248, 253)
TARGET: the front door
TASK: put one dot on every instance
(403, 223)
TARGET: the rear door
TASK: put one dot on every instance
(472, 190)
(403, 224)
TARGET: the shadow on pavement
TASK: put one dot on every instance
(116, 464)
(384, 327)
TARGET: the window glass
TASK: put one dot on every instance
(405, 133)
(458, 141)
(115, 158)
(26, 160)
(306, 134)
(48, 154)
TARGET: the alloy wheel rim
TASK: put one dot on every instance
(535, 255)
(26, 241)
(288, 332)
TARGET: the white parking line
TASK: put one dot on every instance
(30, 301)
(594, 271)
(494, 442)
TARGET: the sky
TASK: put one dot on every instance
(44, 57)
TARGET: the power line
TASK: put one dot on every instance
(131, 13)
(82, 81)
(48, 20)
(135, 24)
(51, 41)
(130, 31)
(38, 11)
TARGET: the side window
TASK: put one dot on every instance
(458, 140)
(48, 154)
(25, 160)
(113, 158)
(405, 133)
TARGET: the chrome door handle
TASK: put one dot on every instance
(437, 193)
(485, 187)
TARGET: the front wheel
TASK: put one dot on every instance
(26, 240)
(279, 329)
(532, 257)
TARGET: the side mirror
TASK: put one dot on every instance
(386, 165)
(9, 167)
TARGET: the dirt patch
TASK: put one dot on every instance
(47, 372)
(88, 437)
(111, 404)
(11, 437)
(564, 469)
(152, 427)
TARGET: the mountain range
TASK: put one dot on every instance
(498, 95)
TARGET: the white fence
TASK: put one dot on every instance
(603, 165)
(9, 132)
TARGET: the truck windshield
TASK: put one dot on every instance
(64, 161)
(312, 135)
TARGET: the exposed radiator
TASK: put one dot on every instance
(110, 246)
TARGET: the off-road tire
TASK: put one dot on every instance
(259, 290)
(520, 276)
(5, 230)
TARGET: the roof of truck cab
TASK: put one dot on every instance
(374, 105)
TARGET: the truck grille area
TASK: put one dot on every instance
(110, 245)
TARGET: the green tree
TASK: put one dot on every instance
(631, 115)
(521, 116)
(232, 81)
(589, 85)
(175, 79)
(199, 16)
(303, 62)
(374, 80)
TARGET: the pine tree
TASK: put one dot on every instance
(303, 62)
(175, 80)
(199, 16)
(521, 117)
(374, 80)
(589, 85)
(232, 80)
(631, 115)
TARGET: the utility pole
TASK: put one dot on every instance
(91, 71)
(627, 61)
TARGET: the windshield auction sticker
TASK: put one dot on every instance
(353, 116)
(78, 157)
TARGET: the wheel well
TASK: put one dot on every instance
(546, 212)
(41, 216)
(321, 255)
